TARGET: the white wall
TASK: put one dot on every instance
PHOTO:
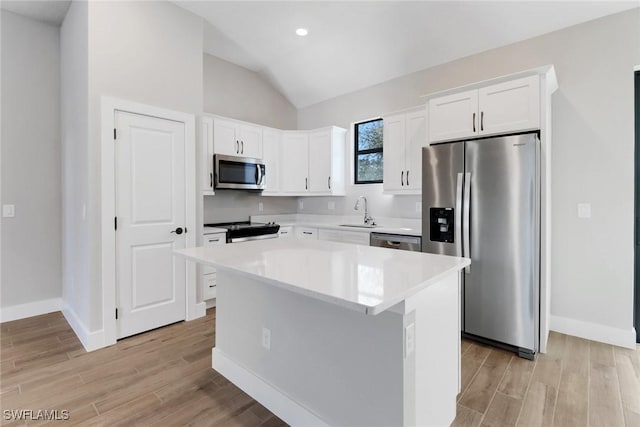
(592, 268)
(234, 91)
(31, 241)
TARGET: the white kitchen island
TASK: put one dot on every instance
(335, 334)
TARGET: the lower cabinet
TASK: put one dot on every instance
(285, 232)
(356, 237)
(209, 273)
(306, 233)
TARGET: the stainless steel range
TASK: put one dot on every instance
(244, 230)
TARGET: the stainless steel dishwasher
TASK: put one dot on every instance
(396, 241)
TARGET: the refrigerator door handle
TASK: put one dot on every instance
(457, 232)
(466, 214)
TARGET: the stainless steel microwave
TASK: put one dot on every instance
(238, 173)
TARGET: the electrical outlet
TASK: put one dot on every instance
(84, 211)
(584, 210)
(331, 206)
(409, 339)
(300, 204)
(260, 206)
(8, 211)
(266, 338)
(418, 207)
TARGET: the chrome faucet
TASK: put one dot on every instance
(367, 219)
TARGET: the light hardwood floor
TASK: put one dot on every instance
(164, 377)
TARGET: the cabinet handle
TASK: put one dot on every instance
(402, 178)
(307, 232)
(237, 146)
(211, 179)
(474, 122)
(481, 121)
(214, 240)
(284, 232)
(329, 183)
(306, 183)
(407, 178)
(242, 149)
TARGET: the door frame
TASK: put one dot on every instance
(110, 105)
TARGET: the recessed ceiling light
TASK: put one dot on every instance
(302, 32)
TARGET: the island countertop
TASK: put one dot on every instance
(362, 278)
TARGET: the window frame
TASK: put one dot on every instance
(357, 152)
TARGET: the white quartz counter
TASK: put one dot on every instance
(366, 279)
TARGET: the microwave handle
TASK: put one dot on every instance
(259, 172)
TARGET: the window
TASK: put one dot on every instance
(368, 152)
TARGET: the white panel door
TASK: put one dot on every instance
(226, 138)
(393, 137)
(251, 141)
(150, 208)
(453, 116)
(510, 107)
(320, 161)
(416, 139)
(294, 162)
(271, 139)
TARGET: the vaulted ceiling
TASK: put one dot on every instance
(355, 44)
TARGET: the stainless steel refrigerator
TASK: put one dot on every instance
(481, 200)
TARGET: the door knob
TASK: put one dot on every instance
(177, 230)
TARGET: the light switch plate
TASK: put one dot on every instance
(266, 338)
(584, 210)
(260, 206)
(331, 206)
(8, 211)
(418, 207)
(300, 204)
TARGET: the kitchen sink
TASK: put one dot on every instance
(359, 225)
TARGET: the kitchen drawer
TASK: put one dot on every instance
(209, 288)
(357, 237)
(285, 232)
(306, 233)
(214, 239)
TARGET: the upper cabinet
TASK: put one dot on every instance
(312, 162)
(509, 106)
(294, 162)
(404, 135)
(271, 145)
(237, 138)
(206, 154)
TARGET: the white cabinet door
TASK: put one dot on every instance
(453, 116)
(250, 141)
(226, 138)
(320, 161)
(394, 152)
(206, 147)
(416, 138)
(510, 106)
(271, 139)
(294, 156)
(356, 237)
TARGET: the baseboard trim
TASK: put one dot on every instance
(594, 331)
(30, 309)
(90, 340)
(273, 399)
